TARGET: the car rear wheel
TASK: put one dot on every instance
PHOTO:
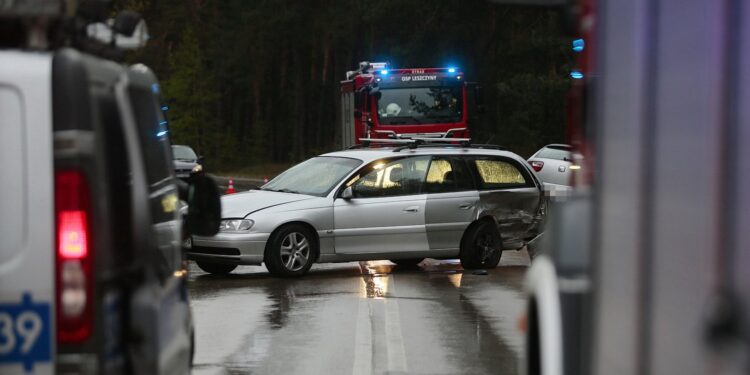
(480, 247)
(216, 268)
(412, 262)
(291, 251)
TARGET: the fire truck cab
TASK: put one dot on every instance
(380, 102)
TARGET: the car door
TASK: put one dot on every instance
(387, 211)
(159, 305)
(509, 193)
(451, 202)
(27, 225)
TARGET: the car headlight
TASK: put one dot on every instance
(197, 169)
(236, 225)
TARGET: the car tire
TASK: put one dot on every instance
(291, 251)
(216, 268)
(532, 252)
(480, 246)
(192, 348)
(407, 263)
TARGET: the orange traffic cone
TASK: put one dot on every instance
(230, 188)
(265, 180)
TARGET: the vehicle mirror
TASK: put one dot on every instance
(204, 206)
(348, 193)
(107, 33)
(375, 92)
(126, 22)
(201, 159)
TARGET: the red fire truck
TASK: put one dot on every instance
(379, 102)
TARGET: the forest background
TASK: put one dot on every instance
(254, 85)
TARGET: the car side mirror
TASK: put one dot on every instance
(204, 206)
(201, 159)
(348, 193)
(126, 22)
(375, 92)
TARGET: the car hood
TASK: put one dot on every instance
(242, 204)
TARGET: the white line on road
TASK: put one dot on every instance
(394, 337)
(363, 339)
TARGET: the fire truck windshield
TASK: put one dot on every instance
(420, 105)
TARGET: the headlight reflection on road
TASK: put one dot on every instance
(455, 279)
(374, 286)
(375, 279)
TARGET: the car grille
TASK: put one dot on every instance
(215, 250)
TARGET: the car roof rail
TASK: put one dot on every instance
(489, 146)
(423, 142)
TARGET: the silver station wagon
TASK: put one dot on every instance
(398, 203)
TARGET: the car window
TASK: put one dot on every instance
(316, 176)
(447, 175)
(464, 181)
(440, 177)
(153, 134)
(392, 178)
(554, 153)
(183, 153)
(498, 174)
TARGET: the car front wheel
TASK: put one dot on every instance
(291, 251)
(480, 247)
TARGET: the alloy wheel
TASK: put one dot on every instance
(295, 251)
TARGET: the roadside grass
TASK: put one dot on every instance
(269, 170)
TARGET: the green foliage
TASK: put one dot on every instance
(253, 82)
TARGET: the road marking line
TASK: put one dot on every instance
(393, 334)
(363, 338)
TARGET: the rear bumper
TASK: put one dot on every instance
(76, 363)
(229, 248)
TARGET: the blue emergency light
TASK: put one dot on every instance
(576, 74)
(578, 45)
(451, 70)
(384, 72)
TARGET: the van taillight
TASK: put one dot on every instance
(73, 266)
(537, 165)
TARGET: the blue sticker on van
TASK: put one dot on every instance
(25, 332)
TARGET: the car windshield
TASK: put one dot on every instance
(420, 105)
(316, 176)
(183, 153)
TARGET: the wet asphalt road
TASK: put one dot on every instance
(360, 318)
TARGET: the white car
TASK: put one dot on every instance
(554, 164)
